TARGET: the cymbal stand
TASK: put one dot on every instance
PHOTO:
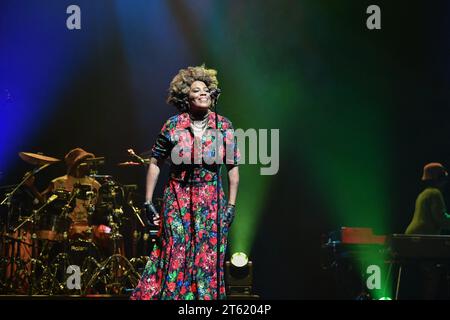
(7, 199)
(66, 208)
(18, 270)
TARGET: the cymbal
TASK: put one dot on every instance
(37, 159)
(129, 164)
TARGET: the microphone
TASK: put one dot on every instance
(140, 159)
(215, 93)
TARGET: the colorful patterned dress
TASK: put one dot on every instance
(183, 264)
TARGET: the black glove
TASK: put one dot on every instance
(151, 216)
(230, 211)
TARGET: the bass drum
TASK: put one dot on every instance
(77, 252)
(81, 250)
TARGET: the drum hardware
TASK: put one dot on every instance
(129, 164)
(141, 160)
(141, 216)
(45, 272)
(25, 268)
(146, 235)
(83, 192)
(100, 176)
(35, 159)
(8, 196)
(39, 273)
(20, 271)
(17, 263)
(20, 265)
(67, 207)
(93, 161)
(28, 276)
(136, 212)
(116, 275)
(129, 190)
(35, 214)
(92, 164)
(11, 265)
(36, 273)
(136, 237)
(79, 252)
(48, 224)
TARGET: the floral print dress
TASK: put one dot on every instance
(183, 263)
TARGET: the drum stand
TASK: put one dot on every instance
(51, 278)
(14, 267)
(39, 270)
(116, 273)
(19, 270)
(21, 276)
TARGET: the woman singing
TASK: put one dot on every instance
(184, 265)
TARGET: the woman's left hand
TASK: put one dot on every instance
(230, 212)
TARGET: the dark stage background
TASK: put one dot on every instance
(359, 111)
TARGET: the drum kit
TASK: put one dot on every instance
(39, 249)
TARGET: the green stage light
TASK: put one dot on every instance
(239, 276)
(239, 259)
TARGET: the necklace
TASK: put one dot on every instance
(199, 125)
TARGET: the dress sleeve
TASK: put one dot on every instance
(163, 144)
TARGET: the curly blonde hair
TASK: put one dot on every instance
(181, 84)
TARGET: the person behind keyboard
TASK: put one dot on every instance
(430, 214)
(427, 278)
